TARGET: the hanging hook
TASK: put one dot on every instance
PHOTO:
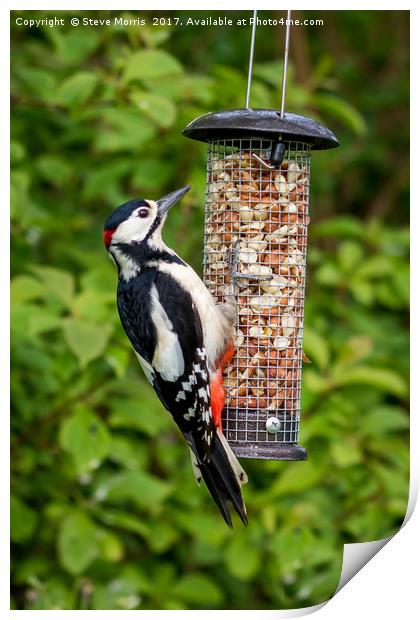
(277, 152)
(262, 162)
(278, 149)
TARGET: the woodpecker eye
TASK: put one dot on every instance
(143, 212)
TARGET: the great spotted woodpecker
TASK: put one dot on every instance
(181, 338)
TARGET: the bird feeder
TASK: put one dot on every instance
(255, 239)
(256, 222)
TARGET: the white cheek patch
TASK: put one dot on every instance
(133, 229)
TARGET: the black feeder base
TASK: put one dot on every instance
(275, 452)
(246, 432)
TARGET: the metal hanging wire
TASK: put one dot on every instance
(251, 60)
(284, 78)
(285, 62)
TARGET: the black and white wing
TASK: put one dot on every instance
(166, 333)
(162, 322)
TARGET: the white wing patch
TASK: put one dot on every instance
(167, 359)
(216, 327)
(147, 368)
(190, 413)
(202, 393)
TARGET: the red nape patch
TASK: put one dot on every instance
(108, 236)
(217, 398)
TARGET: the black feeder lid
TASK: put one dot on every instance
(260, 123)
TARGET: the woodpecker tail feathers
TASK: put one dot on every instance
(196, 468)
(239, 471)
(224, 477)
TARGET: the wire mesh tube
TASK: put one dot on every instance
(255, 255)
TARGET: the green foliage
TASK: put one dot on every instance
(105, 511)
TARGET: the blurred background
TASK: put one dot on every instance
(105, 510)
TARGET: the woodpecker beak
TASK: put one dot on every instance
(165, 203)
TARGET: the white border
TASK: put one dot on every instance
(388, 584)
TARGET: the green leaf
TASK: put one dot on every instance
(346, 454)
(23, 520)
(32, 320)
(316, 347)
(125, 521)
(86, 340)
(77, 543)
(92, 305)
(125, 451)
(17, 152)
(104, 180)
(24, 288)
(147, 415)
(54, 169)
(396, 483)
(296, 478)
(150, 64)
(74, 46)
(269, 71)
(242, 559)
(342, 227)
(86, 438)
(118, 358)
(353, 350)
(384, 419)
(51, 594)
(159, 109)
(123, 592)
(314, 383)
(110, 546)
(332, 105)
(375, 267)
(145, 490)
(77, 89)
(161, 536)
(19, 193)
(150, 175)
(124, 130)
(198, 589)
(383, 379)
(329, 275)
(57, 281)
(183, 88)
(349, 254)
(362, 291)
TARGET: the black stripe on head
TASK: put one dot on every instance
(157, 222)
(123, 212)
(143, 253)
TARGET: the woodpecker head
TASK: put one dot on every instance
(138, 221)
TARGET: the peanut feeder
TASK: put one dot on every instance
(256, 220)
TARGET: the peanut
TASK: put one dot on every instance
(263, 214)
